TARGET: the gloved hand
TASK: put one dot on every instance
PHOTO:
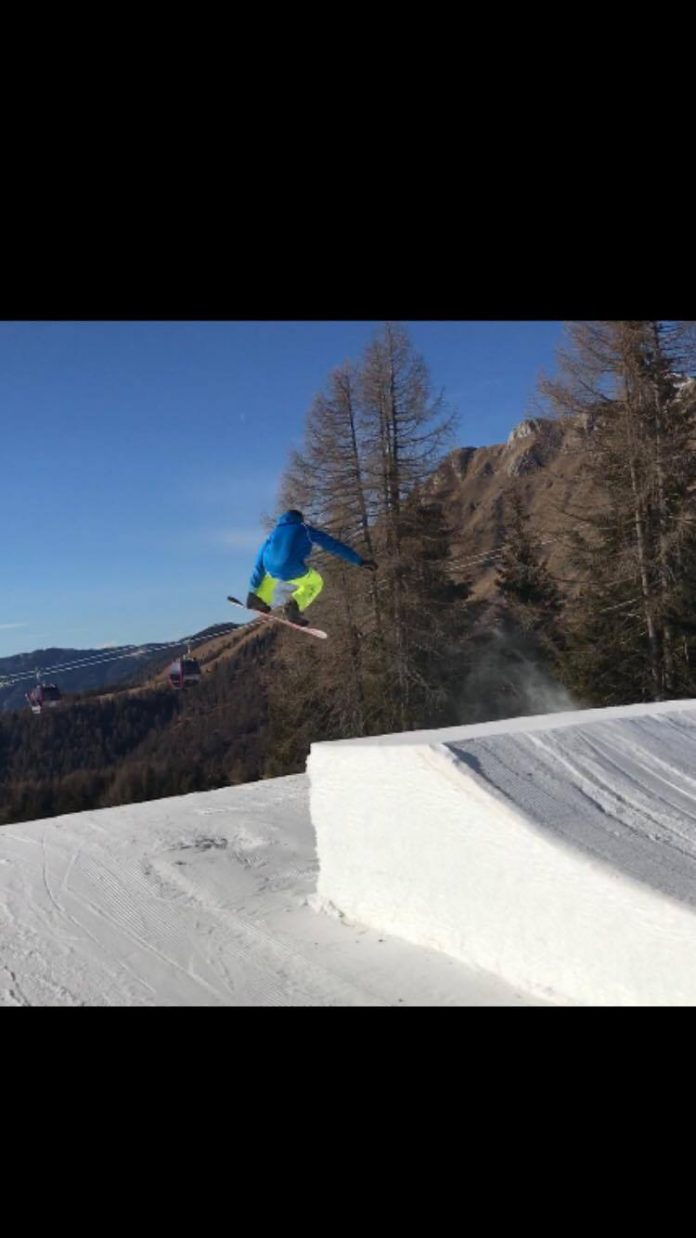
(369, 564)
(254, 603)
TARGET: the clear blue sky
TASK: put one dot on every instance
(138, 457)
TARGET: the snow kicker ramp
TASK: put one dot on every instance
(558, 852)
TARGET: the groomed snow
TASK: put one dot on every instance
(202, 900)
(556, 852)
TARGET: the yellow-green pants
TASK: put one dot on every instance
(307, 588)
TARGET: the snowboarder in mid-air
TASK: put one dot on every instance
(282, 558)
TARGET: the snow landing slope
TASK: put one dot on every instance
(557, 852)
(200, 900)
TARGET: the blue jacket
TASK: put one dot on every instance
(285, 550)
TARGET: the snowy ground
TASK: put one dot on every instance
(557, 852)
(200, 900)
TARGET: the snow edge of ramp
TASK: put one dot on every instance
(412, 842)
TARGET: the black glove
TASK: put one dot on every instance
(254, 603)
(369, 564)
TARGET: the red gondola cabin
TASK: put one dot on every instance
(43, 696)
(184, 672)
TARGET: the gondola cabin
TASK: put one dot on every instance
(43, 696)
(184, 672)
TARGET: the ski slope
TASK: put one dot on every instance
(202, 900)
(556, 852)
(544, 860)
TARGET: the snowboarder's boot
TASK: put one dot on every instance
(255, 603)
(293, 614)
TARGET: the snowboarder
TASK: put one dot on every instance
(282, 558)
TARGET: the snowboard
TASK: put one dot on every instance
(279, 619)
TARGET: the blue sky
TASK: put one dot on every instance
(138, 457)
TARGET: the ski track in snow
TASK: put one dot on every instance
(199, 900)
(622, 793)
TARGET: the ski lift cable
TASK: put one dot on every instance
(497, 552)
(619, 605)
(484, 556)
(127, 651)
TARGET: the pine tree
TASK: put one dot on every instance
(325, 481)
(405, 431)
(371, 441)
(523, 581)
(626, 639)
